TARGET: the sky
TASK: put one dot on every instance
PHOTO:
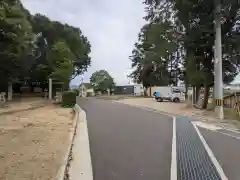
(111, 27)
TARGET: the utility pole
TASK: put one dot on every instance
(218, 85)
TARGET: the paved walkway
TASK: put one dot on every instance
(130, 143)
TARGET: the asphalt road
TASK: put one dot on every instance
(128, 143)
(132, 143)
(226, 150)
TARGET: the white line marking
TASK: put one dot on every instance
(232, 130)
(238, 138)
(206, 126)
(174, 153)
(210, 154)
(215, 128)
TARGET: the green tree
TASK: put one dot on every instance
(15, 44)
(153, 55)
(194, 22)
(102, 81)
(53, 31)
(61, 63)
(34, 48)
(40, 69)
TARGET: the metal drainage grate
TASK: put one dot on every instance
(192, 158)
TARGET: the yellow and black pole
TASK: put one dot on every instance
(219, 102)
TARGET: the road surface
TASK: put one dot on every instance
(132, 143)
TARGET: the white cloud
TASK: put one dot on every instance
(110, 26)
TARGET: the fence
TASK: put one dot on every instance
(237, 108)
(233, 101)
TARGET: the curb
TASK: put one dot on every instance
(81, 165)
(77, 161)
(64, 167)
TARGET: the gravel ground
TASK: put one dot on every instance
(184, 110)
(162, 106)
(22, 104)
(33, 143)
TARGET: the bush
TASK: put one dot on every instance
(69, 98)
(76, 90)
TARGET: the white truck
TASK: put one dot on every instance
(138, 90)
(169, 93)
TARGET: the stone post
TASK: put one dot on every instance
(10, 93)
(50, 89)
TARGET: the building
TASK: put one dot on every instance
(135, 90)
(86, 89)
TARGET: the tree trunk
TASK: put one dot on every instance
(170, 74)
(212, 107)
(145, 91)
(198, 88)
(186, 90)
(194, 95)
(177, 65)
(205, 98)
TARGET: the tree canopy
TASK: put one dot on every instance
(34, 47)
(53, 31)
(61, 63)
(102, 81)
(177, 44)
(15, 43)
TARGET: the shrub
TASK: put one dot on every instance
(69, 98)
(76, 90)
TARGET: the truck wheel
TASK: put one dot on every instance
(159, 99)
(176, 100)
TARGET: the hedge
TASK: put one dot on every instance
(76, 90)
(69, 98)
